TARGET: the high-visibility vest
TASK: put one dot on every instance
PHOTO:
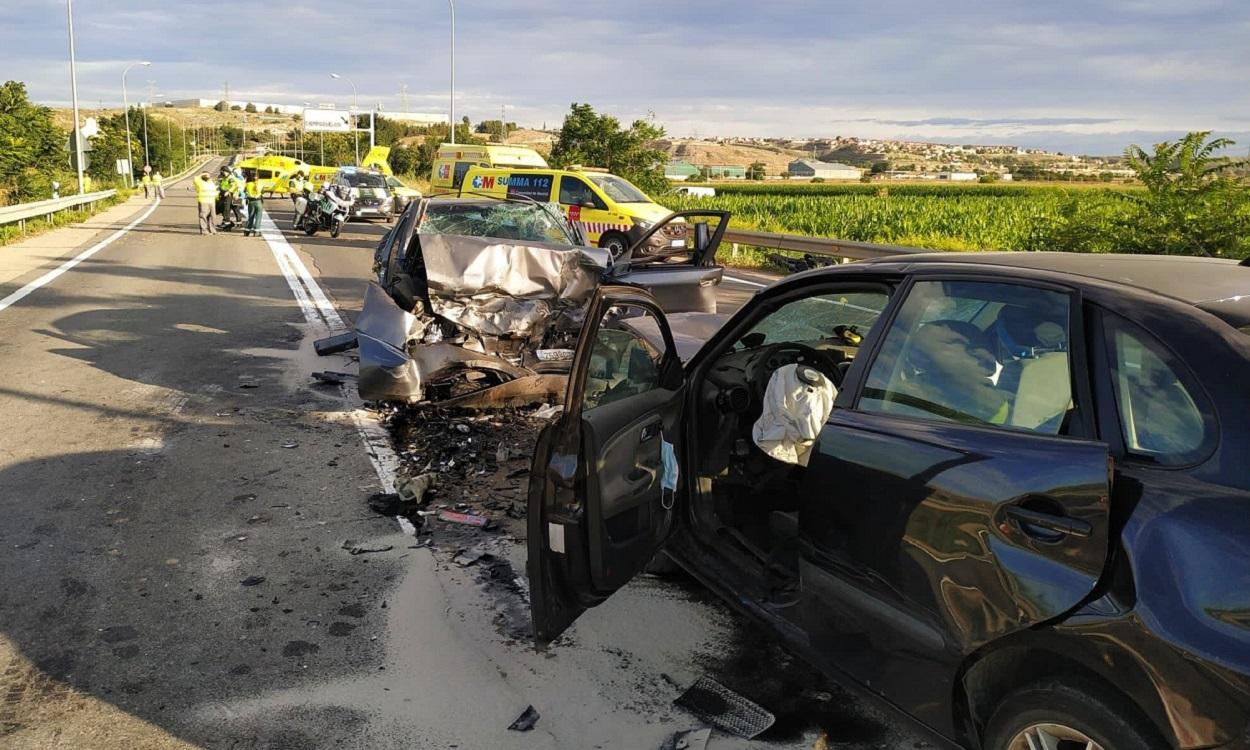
(205, 190)
(252, 190)
(227, 185)
(147, 180)
(156, 179)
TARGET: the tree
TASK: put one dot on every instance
(235, 108)
(599, 140)
(756, 171)
(403, 160)
(1189, 207)
(32, 148)
(222, 106)
(880, 166)
(270, 110)
(250, 108)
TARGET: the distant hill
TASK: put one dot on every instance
(700, 153)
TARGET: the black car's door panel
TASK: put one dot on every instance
(922, 541)
(598, 507)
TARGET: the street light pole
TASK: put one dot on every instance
(73, 83)
(355, 125)
(451, 116)
(130, 149)
(147, 152)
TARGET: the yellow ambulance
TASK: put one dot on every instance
(453, 161)
(611, 212)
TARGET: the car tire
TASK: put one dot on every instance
(615, 243)
(1056, 708)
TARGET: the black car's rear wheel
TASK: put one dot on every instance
(1068, 715)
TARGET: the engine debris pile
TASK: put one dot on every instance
(464, 473)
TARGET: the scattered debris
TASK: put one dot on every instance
(331, 377)
(515, 511)
(550, 411)
(464, 519)
(725, 709)
(465, 558)
(526, 721)
(249, 384)
(364, 549)
(413, 489)
(290, 444)
(252, 580)
(335, 344)
(694, 739)
(386, 504)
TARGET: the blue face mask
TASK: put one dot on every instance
(668, 481)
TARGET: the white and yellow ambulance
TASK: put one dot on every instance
(453, 161)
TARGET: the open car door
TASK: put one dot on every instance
(675, 261)
(604, 484)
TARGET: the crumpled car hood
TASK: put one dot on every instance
(497, 287)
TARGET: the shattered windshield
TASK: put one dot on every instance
(527, 222)
(819, 317)
(619, 189)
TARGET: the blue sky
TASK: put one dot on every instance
(1085, 76)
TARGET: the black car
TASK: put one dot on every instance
(1007, 494)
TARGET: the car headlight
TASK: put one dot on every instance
(643, 225)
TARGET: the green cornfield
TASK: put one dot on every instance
(940, 217)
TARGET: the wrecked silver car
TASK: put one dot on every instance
(478, 301)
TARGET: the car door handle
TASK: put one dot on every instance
(648, 432)
(1065, 525)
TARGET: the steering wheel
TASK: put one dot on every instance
(774, 357)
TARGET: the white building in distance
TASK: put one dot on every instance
(825, 170)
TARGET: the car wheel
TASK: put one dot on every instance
(1068, 715)
(614, 243)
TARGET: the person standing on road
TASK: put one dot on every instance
(146, 181)
(205, 194)
(226, 190)
(297, 188)
(156, 184)
(251, 189)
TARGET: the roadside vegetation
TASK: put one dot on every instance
(1188, 203)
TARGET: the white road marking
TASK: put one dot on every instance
(48, 277)
(323, 317)
(744, 281)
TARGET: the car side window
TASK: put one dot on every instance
(1008, 369)
(575, 192)
(625, 356)
(1163, 416)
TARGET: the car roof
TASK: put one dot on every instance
(1189, 279)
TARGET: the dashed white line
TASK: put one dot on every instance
(48, 277)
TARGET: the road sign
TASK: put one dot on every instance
(123, 166)
(327, 121)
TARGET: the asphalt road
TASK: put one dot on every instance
(178, 498)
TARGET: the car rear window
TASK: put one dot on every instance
(1164, 417)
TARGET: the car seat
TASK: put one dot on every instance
(1044, 393)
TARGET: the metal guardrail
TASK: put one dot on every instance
(829, 247)
(40, 209)
(23, 212)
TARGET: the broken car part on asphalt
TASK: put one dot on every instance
(725, 709)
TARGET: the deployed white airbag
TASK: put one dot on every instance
(797, 403)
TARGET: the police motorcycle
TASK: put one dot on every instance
(327, 210)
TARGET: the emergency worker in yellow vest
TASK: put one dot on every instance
(205, 194)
